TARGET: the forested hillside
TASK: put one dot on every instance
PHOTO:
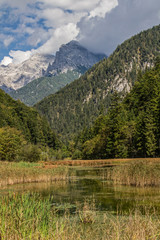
(39, 88)
(131, 128)
(33, 127)
(78, 104)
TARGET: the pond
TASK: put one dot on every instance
(89, 185)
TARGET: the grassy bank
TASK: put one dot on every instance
(22, 172)
(30, 217)
(137, 173)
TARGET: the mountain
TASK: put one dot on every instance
(73, 56)
(16, 115)
(16, 76)
(78, 104)
(39, 88)
(71, 61)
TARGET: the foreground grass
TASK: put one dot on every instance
(22, 172)
(27, 216)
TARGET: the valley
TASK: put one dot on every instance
(82, 160)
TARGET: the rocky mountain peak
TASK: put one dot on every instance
(72, 56)
(16, 76)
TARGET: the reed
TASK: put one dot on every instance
(21, 172)
(137, 173)
(28, 216)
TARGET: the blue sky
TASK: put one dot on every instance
(28, 27)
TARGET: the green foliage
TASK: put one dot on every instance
(78, 105)
(131, 127)
(30, 153)
(11, 141)
(36, 90)
(77, 154)
(24, 134)
(34, 128)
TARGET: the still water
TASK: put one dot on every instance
(89, 185)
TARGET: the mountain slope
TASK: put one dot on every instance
(16, 115)
(39, 88)
(16, 76)
(78, 104)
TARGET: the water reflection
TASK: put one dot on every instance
(89, 184)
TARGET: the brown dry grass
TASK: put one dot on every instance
(97, 162)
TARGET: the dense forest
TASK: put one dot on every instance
(131, 127)
(22, 126)
(77, 105)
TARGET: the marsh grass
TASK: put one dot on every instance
(22, 172)
(136, 173)
(28, 216)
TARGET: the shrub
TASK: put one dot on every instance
(30, 153)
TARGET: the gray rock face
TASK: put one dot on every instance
(13, 77)
(72, 56)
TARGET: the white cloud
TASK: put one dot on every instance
(20, 56)
(38, 35)
(74, 5)
(60, 36)
(127, 19)
(56, 17)
(103, 7)
(99, 25)
(6, 61)
(20, 4)
(8, 41)
(60, 18)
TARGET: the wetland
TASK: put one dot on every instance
(85, 204)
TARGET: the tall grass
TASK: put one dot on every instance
(27, 216)
(22, 172)
(137, 173)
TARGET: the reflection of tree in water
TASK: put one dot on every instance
(90, 172)
(89, 186)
